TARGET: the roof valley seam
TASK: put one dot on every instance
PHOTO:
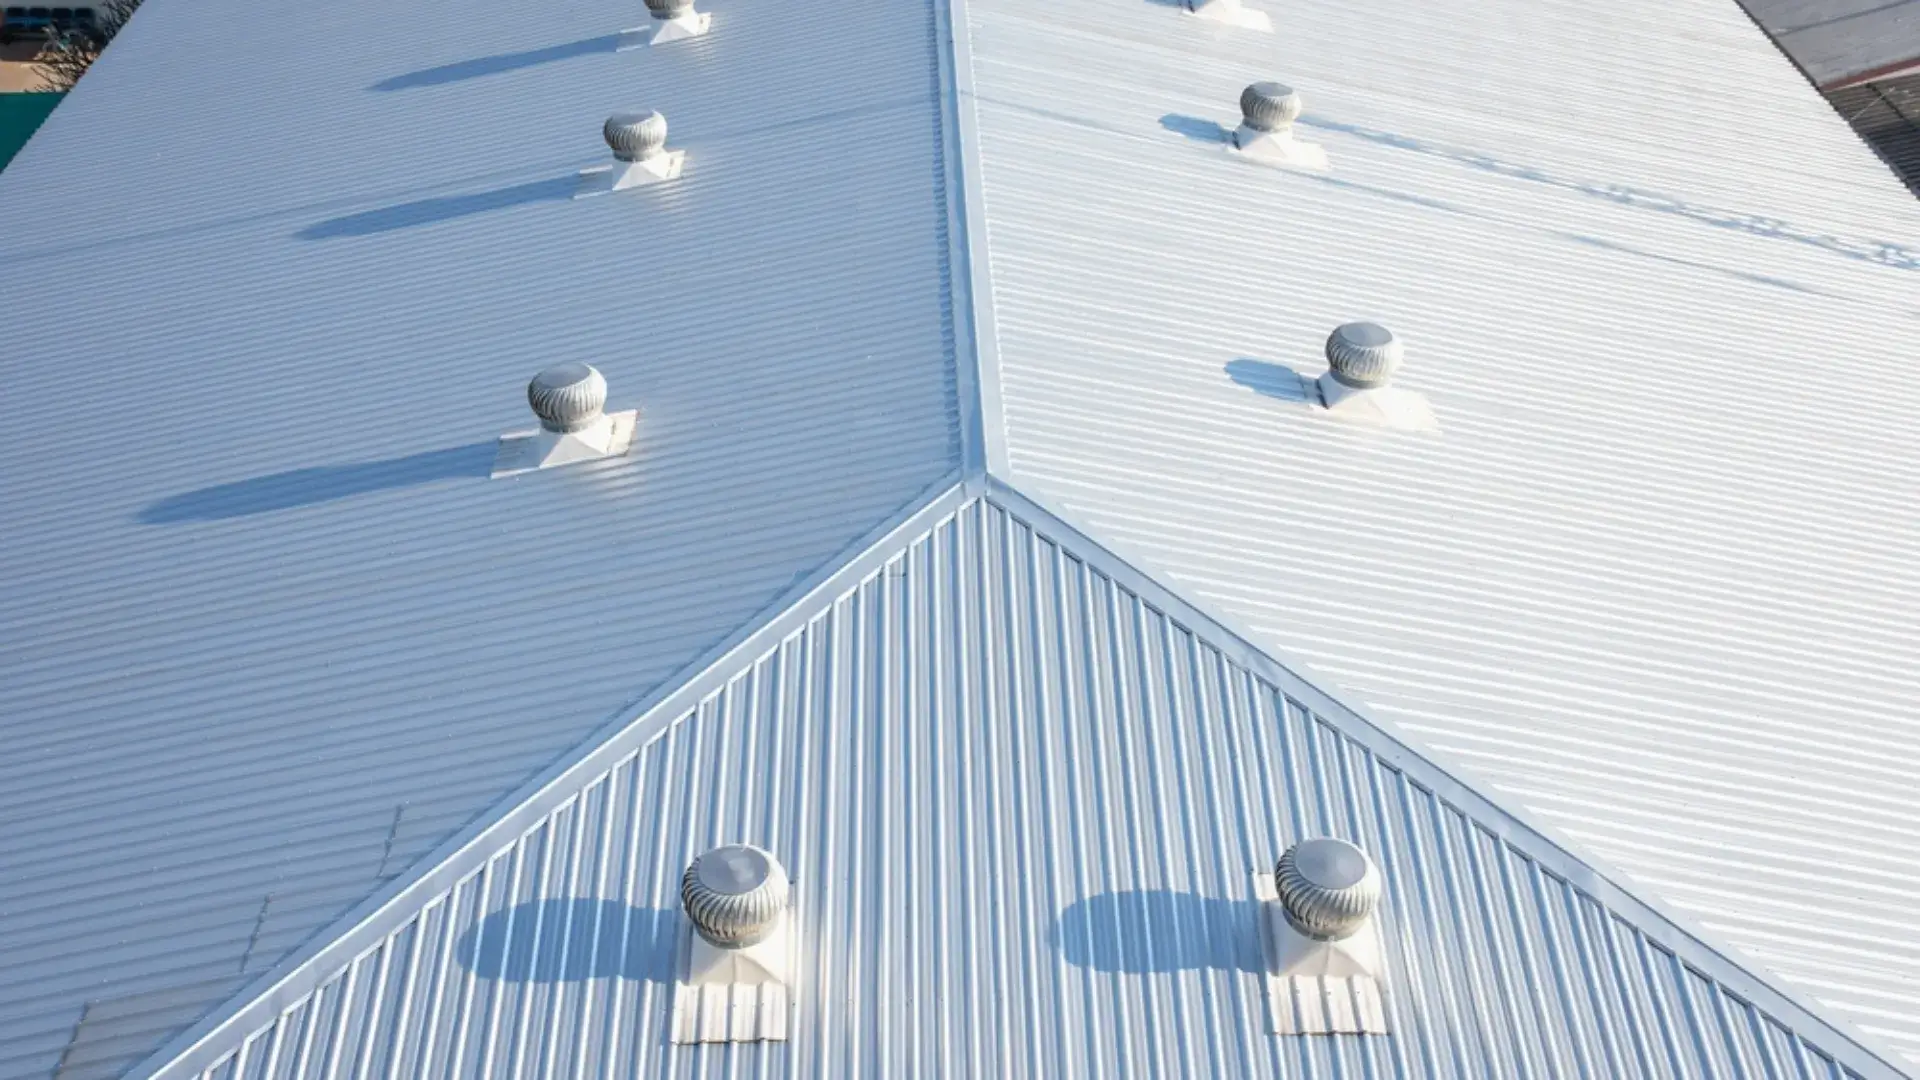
(1010, 533)
(293, 977)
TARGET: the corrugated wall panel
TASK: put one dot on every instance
(1021, 807)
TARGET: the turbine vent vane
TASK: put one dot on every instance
(735, 895)
(1363, 355)
(636, 136)
(568, 397)
(1330, 888)
(1270, 106)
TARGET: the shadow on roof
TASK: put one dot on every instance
(1674, 260)
(1268, 379)
(441, 208)
(324, 483)
(572, 940)
(1197, 128)
(480, 67)
(1872, 251)
(1158, 930)
(1201, 130)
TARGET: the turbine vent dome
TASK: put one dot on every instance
(1363, 355)
(636, 136)
(1329, 887)
(735, 895)
(1270, 106)
(568, 397)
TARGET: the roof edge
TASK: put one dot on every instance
(1897, 69)
(200, 1046)
(1695, 947)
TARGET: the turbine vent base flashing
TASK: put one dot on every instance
(732, 995)
(610, 436)
(736, 978)
(622, 175)
(1279, 148)
(1381, 406)
(1315, 986)
(688, 24)
(1232, 13)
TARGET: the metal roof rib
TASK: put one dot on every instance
(975, 519)
(1654, 577)
(280, 635)
(1007, 783)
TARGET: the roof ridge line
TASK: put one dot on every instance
(367, 921)
(1692, 945)
(976, 353)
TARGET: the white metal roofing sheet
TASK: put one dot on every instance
(1021, 803)
(1657, 577)
(275, 278)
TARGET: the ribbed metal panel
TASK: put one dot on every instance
(269, 630)
(1887, 115)
(1656, 576)
(1022, 808)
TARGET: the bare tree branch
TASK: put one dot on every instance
(69, 52)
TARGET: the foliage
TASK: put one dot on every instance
(68, 54)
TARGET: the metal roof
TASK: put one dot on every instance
(279, 646)
(1655, 576)
(1022, 801)
(1886, 113)
(276, 278)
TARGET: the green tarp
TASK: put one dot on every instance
(20, 117)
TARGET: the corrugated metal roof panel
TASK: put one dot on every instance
(275, 279)
(1887, 116)
(1655, 577)
(1021, 805)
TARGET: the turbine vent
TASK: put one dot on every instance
(735, 895)
(570, 401)
(1325, 961)
(1270, 106)
(1362, 360)
(737, 962)
(1265, 134)
(1329, 888)
(1363, 355)
(638, 140)
(568, 397)
(634, 136)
